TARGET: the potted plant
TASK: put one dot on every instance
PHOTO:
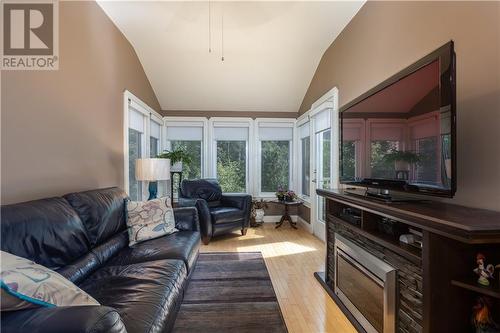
(258, 212)
(280, 193)
(177, 157)
(290, 196)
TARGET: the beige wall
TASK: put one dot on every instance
(385, 37)
(62, 130)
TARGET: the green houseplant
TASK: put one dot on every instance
(178, 157)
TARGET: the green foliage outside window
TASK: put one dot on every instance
(231, 166)
(190, 170)
(275, 165)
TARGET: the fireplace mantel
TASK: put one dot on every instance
(436, 286)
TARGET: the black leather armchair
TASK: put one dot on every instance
(218, 213)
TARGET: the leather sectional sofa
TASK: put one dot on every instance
(83, 237)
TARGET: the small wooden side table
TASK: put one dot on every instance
(286, 216)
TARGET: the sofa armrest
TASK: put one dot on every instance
(186, 218)
(240, 201)
(76, 319)
(205, 219)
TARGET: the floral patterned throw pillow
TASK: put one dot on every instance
(149, 219)
(25, 284)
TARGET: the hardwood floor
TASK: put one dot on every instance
(292, 256)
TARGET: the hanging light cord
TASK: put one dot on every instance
(222, 37)
(209, 27)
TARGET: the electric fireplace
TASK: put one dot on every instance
(366, 285)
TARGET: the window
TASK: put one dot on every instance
(134, 153)
(305, 160)
(136, 148)
(188, 135)
(230, 152)
(154, 138)
(194, 150)
(231, 165)
(142, 138)
(275, 138)
(275, 165)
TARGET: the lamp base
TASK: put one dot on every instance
(153, 190)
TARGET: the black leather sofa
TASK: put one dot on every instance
(83, 237)
(218, 213)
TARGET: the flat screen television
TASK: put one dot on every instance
(401, 135)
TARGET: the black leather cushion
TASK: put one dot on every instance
(206, 189)
(74, 319)
(147, 295)
(182, 245)
(226, 214)
(47, 231)
(102, 212)
(78, 270)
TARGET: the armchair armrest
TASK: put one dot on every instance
(76, 319)
(205, 220)
(186, 218)
(240, 201)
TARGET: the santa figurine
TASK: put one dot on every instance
(484, 273)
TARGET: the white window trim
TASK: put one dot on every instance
(276, 122)
(301, 120)
(149, 114)
(231, 122)
(170, 121)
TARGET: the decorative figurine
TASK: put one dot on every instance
(484, 273)
(481, 316)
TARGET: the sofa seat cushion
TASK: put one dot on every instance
(182, 245)
(147, 295)
(226, 214)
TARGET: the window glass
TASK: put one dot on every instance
(193, 148)
(275, 165)
(306, 165)
(231, 165)
(134, 152)
(153, 146)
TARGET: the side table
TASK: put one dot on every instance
(286, 216)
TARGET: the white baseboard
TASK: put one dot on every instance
(304, 225)
(301, 223)
(276, 218)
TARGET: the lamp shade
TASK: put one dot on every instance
(152, 169)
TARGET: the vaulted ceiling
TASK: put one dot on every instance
(271, 49)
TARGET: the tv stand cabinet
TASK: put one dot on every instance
(443, 286)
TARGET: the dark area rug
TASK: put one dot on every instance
(230, 292)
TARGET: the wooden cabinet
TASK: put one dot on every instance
(443, 286)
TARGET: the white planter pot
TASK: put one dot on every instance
(259, 215)
(176, 167)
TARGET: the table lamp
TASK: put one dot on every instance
(152, 170)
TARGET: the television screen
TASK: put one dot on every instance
(401, 136)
